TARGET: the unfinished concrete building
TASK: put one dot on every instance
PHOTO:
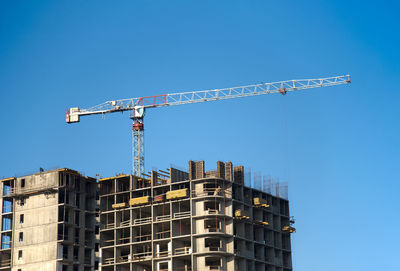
(48, 222)
(178, 221)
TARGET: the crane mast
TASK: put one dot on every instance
(137, 106)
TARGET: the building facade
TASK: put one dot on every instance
(196, 220)
(48, 222)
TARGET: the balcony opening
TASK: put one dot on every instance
(212, 225)
(213, 263)
(163, 249)
(212, 244)
(211, 206)
(123, 185)
(162, 230)
(212, 189)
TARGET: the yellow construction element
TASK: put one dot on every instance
(139, 201)
(112, 178)
(288, 229)
(259, 202)
(177, 194)
(264, 223)
(240, 214)
(8, 179)
(120, 205)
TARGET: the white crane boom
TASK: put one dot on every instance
(138, 105)
(282, 87)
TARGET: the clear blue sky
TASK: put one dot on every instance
(337, 147)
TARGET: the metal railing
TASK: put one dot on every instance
(108, 226)
(182, 214)
(108, 242)
(213, 229)
(163, 254)
(210, 249)
(162, 218)
(183, 251)
(140, 221)
(108, 260)
(124, 223)
(5, 263)
(211, 192)
(141, 238)
(214, 267)
(142, 256)
(163, 234)
(124, 240)
(211, 212)
(124, 258)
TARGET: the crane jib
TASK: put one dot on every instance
(172, 99)
(152, 101)
(137, 106)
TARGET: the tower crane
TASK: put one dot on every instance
(138, 106)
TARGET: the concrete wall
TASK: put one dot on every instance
(39, 226)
